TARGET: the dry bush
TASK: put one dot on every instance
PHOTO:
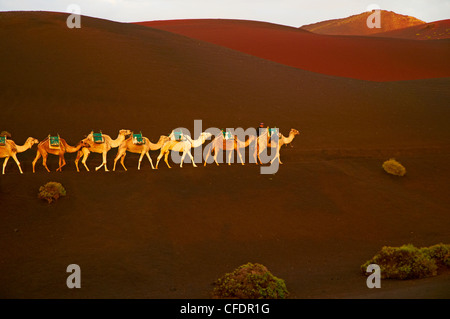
(393, 167)
(409, 262)
(440, 253)
(51, 191)
(250, 281)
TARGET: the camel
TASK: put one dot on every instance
(102, 148)
(182, 146)
(264, 142)
(44, 149)
(227, 145)
(142, 149)
(10, 149)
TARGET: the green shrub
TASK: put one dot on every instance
(393, 167)
(250, 281)
(51, 191)
(409, 262)
(446, 260)
(439, 253)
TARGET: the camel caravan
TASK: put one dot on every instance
(128, 141)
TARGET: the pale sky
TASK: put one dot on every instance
(287, 12)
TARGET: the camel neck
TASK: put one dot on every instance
(24, 147)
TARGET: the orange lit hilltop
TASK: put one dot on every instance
(357, 24)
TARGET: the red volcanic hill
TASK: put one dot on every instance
(429, 31)
(363, 58)
(357, 24)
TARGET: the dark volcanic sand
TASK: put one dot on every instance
(169, 233)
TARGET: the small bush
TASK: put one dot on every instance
(439, 253)
(393, 167)
(250, 281)
(409, 262)
(51, 191)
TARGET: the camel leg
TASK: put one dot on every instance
(44, 161)
(59, 163)
(105, 155)
(85, 156)
(140, 160)
(240, 156)
(4, 163)
(159, 157)
(122, 160)
(119, 155)
(38, 155)
(103, 162)
(182, 158)
(62, 162)
(260, 150)
(277, 156)
(216, 153)
(192, 158)
(150, 159)
(17, 162)
(230, 152)
(254, 155)
(166, 159)
(77, 159)
(206, 158)
(84, 152)
(259, 159)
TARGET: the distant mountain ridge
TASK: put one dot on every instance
(357, 24)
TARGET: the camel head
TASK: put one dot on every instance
(294, 132)
(32, 141)
(85, 142)
(163, 139)
(124, 132)
(205, 136)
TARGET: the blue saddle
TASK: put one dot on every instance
(98, 138)
(54, 141)
(138, 139)
(178, 135)
(273, 130)
(227, 135)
